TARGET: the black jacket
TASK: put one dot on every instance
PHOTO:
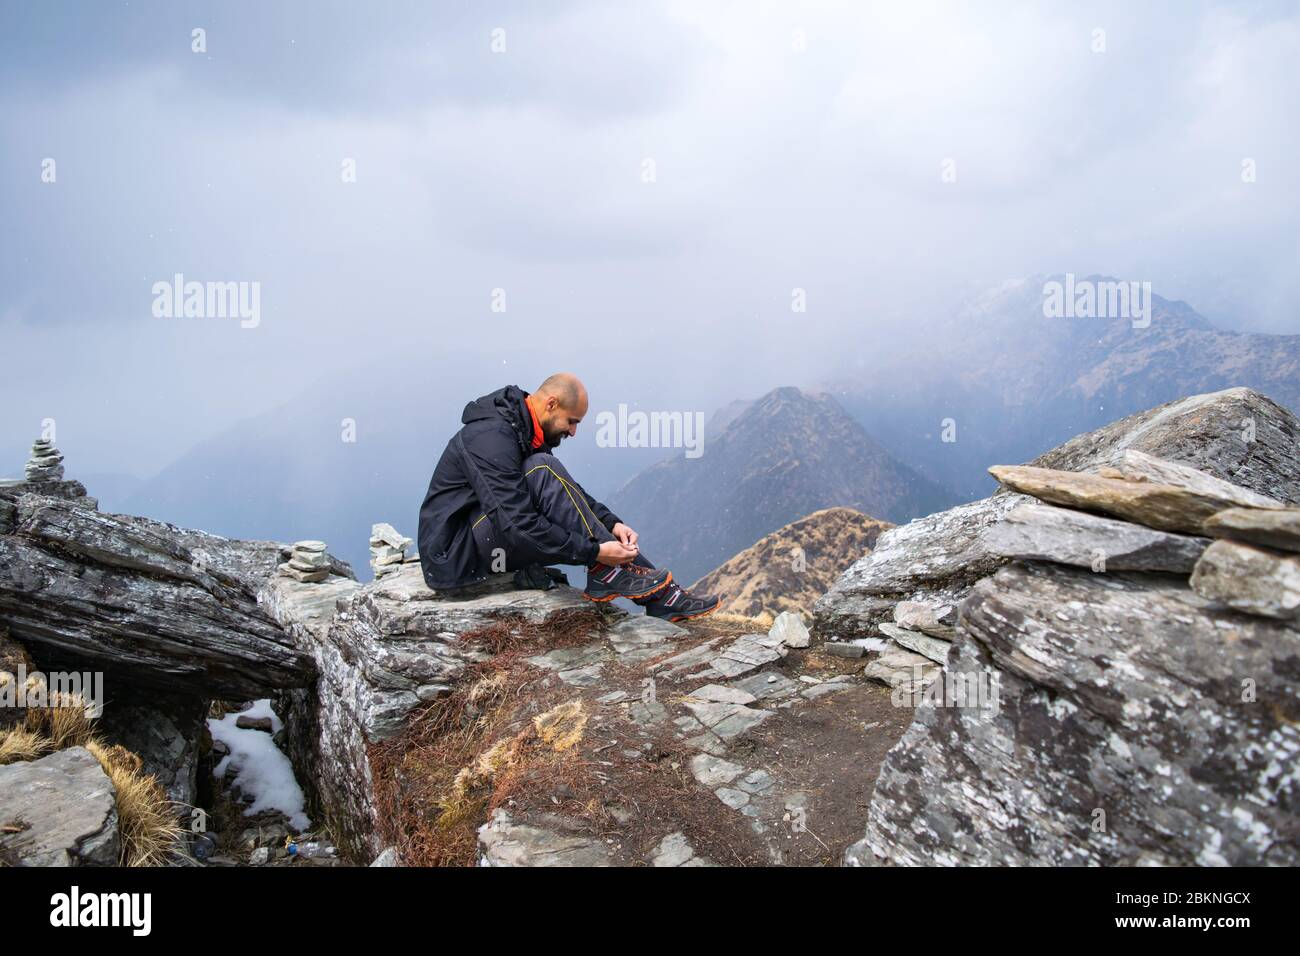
(481, 470)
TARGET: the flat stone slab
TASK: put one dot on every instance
(935, 619)
(727, 720)
(643, 636)
(674, 850)
(923, 644)
(1165, 507)
(713, 771)
(64, 810)
(898, 668)
(723, 695)
(505, 842)
(1037, 532)
(1271, 527)
(768, 685)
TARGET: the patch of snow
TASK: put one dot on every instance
(871, 643)
(259, 767)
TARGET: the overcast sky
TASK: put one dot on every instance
(792, 146)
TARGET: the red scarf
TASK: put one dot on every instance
(538, 438)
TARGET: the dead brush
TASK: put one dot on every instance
(148, 823)
(463, 756)
(147, 820)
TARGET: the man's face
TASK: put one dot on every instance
(558, 422)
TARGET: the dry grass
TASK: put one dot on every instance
(64, 723)
(146, 819)
(463, 756)
(148, 824)
(19, 744)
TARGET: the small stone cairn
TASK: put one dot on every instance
(307, 563)
(46, 463)
(387, 549)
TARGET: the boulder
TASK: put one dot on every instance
(1136, 724)
(60, 810)
(382, 649)
(1237, 434)
(145, 602)
(1250, 579)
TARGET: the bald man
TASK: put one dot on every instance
(500, 500)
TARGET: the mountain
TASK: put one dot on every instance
(1010, 381)
(783, 456)
(793, 566)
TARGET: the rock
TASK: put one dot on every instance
(937, 620)
(1114, 742)
(746, 653)
(505, 842)
(923, 644)
(790, 630)
(642, 636)
(387, 547)
(713, 771)
(726, 720)
(851, 651)
(310, 547)
(723, 695)
(260, 856)
(64, 810)
(1237, 434)
(1135, 465)
(938, 556)
(1249, 579)
(902, 670)
(310, 560)
(1165, 507)
(304, 577)
(735, 799)
(377, 646)
(146, 602)
(387, 858)
(674, 850)
(165, 730)
(1037, 532)
(384, 533)
(1273, 528)
(264, 724)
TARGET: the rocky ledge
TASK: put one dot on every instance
(1098, 680)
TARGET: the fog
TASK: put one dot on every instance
(644, 187)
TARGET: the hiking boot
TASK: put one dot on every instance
(605, 583)
(538, 577)
(676, 604)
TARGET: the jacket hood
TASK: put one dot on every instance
(507, 404)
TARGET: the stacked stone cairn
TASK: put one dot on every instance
(46, 463)
(387, 549)
(307, 563)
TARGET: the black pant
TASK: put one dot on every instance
(557, 496)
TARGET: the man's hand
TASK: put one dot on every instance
(614, 553)
(625, 534)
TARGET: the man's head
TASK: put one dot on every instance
(560, 403)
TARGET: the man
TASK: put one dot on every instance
(500, 500)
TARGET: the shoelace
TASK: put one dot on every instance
(639, 569)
